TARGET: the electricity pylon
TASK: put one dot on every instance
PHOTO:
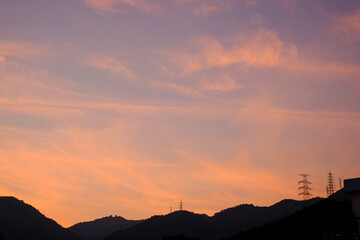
(331, 185)
(304, 188)
(340, 183)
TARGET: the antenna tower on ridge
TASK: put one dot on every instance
(181, 205)
(304, 188)
(331, 185)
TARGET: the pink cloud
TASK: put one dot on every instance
(161, 8)
(264, 111)
(258, 19)
(110, 64)
(288, 5)
(250, 3)
(22, 50)
(348, 27)
(178, 88)
(219, 84)
(262, 49)
(206, 9)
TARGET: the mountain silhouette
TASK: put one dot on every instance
(102, 227)
(331, 218)
(19, 221)
(223, 224)
(174, 224)
(246, 216)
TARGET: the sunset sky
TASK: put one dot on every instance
(124, 107)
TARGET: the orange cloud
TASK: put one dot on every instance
(178, 88)
(21, 50)
(221, 84)
(73, 170)
(223, 179)
(68, 165)
(113, 5)
(70, 168)
(110, 64)
(263, 111)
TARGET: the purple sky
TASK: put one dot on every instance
(125, 106)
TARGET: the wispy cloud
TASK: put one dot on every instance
(250, 3)
(206, 9)
(115, 5)
(110, 64)
(258, 19)
(348, 27)
(262, 49)
(22, 50)
(288, 5)
(178, 88)
(161, 8)
(222, 83)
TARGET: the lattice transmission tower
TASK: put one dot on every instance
(331, 184)
(304, 188)
(340, 183)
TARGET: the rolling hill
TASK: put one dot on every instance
(223, 224)
(329, 219)
(19, 221)
(102, 227)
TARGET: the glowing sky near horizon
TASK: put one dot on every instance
(125, 106)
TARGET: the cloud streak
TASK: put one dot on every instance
(113, 5)
(110, 64)
(22, 50)
(263, 49)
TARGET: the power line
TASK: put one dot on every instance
(322, 184)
